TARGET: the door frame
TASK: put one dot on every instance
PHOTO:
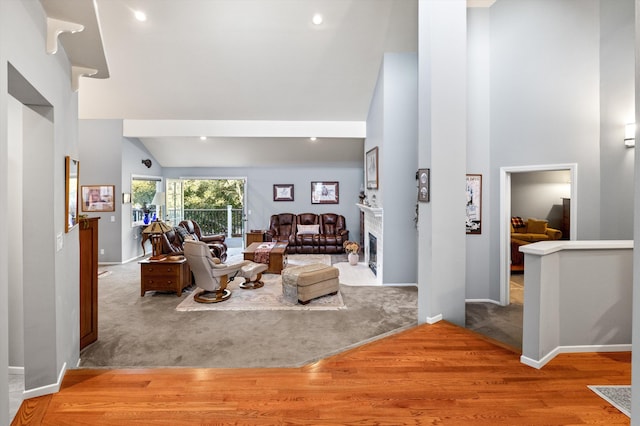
(505, 214)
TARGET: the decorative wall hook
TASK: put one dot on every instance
(55, 27)
(147, 163)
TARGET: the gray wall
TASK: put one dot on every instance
(478, 281)
(50, 293)
(101, 164)
(616, 109)
(545, 101)
(392, 127)
(107, 158)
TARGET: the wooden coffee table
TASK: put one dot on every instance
(277, 256)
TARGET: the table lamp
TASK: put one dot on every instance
(156, 228)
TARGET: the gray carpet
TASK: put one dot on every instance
(136, 331)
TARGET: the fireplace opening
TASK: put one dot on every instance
(373, 254)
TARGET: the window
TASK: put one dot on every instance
(143, 189)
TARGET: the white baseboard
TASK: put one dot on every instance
(48, 389)
(109, 263)
(495, 302)
(538, 364)
(435, 319)
(16, 370)
(401, 284)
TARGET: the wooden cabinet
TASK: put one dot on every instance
(566, 219)
(171, 273)
(88, 281)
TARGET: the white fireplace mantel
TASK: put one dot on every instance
(376, 211)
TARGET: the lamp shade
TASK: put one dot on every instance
(156, 227)
(158, 199)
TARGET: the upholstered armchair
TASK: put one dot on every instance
(211, 275)
(282, 227)
(307, 233)
(215, 241)
(333, 233)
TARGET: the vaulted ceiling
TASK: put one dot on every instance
(263, 61)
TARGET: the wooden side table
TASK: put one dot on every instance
(170, 273)
(254, 236)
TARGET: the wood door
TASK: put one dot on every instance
(88, 281)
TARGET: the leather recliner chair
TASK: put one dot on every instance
(333, 233)
(215, 241)
(282, 227)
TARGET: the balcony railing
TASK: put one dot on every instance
(227, 221)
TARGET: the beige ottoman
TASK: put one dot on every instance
(306, 282)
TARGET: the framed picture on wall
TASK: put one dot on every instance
(324, 192)
(474, 204)
(371, 161)
(98, 198)
(283, 192)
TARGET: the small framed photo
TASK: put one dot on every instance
(423, 185)
(98, 198)
(325, 192)
(372, 168)
(283, 192)
(126, 197)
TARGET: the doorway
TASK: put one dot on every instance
(30, 191)
(218, 205)
(506, 175)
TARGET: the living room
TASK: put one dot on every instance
(566, 108)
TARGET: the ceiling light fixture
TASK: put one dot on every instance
(317, 19)
(203, 138)
(140, 16)
(313, 138)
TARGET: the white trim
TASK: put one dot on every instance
(16, 370)
(243, 128)
(49, 389)
(573, 349)
(505, 214)
(398, 284)
(495, 302)
(543, 248)
(433, 320)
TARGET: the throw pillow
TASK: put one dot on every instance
(535, 226)
(308, 229)
(517, 222)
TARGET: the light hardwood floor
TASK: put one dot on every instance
(430, 374)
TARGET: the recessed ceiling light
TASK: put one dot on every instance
(317, 19)
(203, 138)
(313, 139)
(140, 15)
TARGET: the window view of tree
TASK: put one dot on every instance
(210, 194)
(206, 201)
(142, 192)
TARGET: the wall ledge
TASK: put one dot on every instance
(544, 248)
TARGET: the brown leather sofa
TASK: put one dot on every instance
(309, 232)
(172, 241)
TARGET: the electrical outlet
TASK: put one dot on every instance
(101, 251)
